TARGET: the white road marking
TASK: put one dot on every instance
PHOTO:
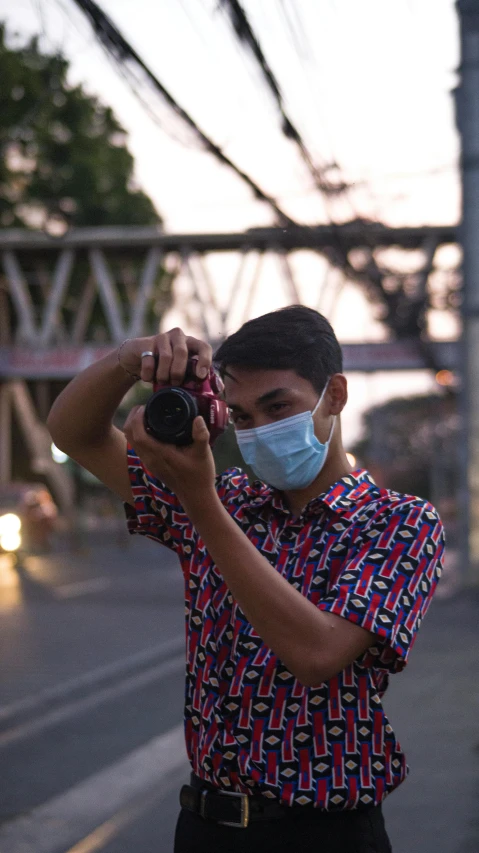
(71, 816)
(79, 706)
(91, 678)
(108, 831)
(73, 590)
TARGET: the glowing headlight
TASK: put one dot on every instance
(10, 526)
(10, 541)
(9, 523)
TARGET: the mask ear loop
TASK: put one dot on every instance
(317, 407)
(321, 397)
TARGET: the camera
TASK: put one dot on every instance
(171, 410)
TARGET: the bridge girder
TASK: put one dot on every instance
(52, 289)
(38, 272)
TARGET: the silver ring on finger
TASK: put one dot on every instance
(147, 352)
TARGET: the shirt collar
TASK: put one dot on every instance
(339, 497)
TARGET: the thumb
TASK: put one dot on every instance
(200, 431)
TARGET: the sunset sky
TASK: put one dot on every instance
(368, 85)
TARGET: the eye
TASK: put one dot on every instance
(238, 419)
(276, 408)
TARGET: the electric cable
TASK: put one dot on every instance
(376, 273)
(248, 37)
(338, 254)
(124, 54)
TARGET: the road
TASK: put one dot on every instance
(93, 650)
(91, 746)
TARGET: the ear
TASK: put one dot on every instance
(337, 393)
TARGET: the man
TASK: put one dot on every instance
(304, 590)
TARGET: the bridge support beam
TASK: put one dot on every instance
(5, 434)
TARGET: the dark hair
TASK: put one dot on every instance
(293, 338)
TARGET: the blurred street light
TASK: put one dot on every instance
(445, 378)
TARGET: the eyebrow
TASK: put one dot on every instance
(265, 398)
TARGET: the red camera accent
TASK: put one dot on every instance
(205, 391)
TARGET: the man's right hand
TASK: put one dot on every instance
(171, 353)
(81, 419)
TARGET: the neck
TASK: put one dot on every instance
(336, 467)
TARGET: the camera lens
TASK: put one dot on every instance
(172, 413)
(169, 415)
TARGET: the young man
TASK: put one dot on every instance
(304, 590)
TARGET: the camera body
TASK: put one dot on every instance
(171, 409)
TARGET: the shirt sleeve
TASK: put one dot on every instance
(157, 512)
(388, 580)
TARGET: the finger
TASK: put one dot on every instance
(165, 357)
(180, 356)
(199, 432)
(148, 365)
(140, 438)
(128, 425)
(204, 353)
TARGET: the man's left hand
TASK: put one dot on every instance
(187, 471)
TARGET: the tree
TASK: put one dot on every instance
(411, 445)
(63, 157)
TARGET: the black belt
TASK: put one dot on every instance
(231, 808)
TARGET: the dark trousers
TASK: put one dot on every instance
(311, 832)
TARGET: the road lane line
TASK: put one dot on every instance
(75, 814)
(91, 678)
(108, 831)
(73, 590)
(87, 703)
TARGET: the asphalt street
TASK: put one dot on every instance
(91, 747)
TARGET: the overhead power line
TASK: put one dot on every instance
(128, 60)
(338, 255)
(248, 37)
(402, 310)
(130, 65)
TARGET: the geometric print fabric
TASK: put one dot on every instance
(364, 553)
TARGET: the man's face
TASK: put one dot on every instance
(259, 397)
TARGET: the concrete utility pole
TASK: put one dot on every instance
(468, 123)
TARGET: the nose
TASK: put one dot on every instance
(261, 420)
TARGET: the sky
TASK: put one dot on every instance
(367, 83)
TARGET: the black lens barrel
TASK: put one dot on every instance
(169, 416)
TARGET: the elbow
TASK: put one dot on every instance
(51, 427)
(59, 431)
(54, 428)
(310, 678)
(52, 417)
(314, 673)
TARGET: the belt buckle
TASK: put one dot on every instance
(244, 818)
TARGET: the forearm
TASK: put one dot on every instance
(83, 412)
(285, 620)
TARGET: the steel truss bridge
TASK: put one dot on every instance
(66, 301)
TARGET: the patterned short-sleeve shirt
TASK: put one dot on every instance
(364, 553)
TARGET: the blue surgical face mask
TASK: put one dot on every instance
(286, 454)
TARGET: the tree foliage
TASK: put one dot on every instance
(64, 161)
(410, 444)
